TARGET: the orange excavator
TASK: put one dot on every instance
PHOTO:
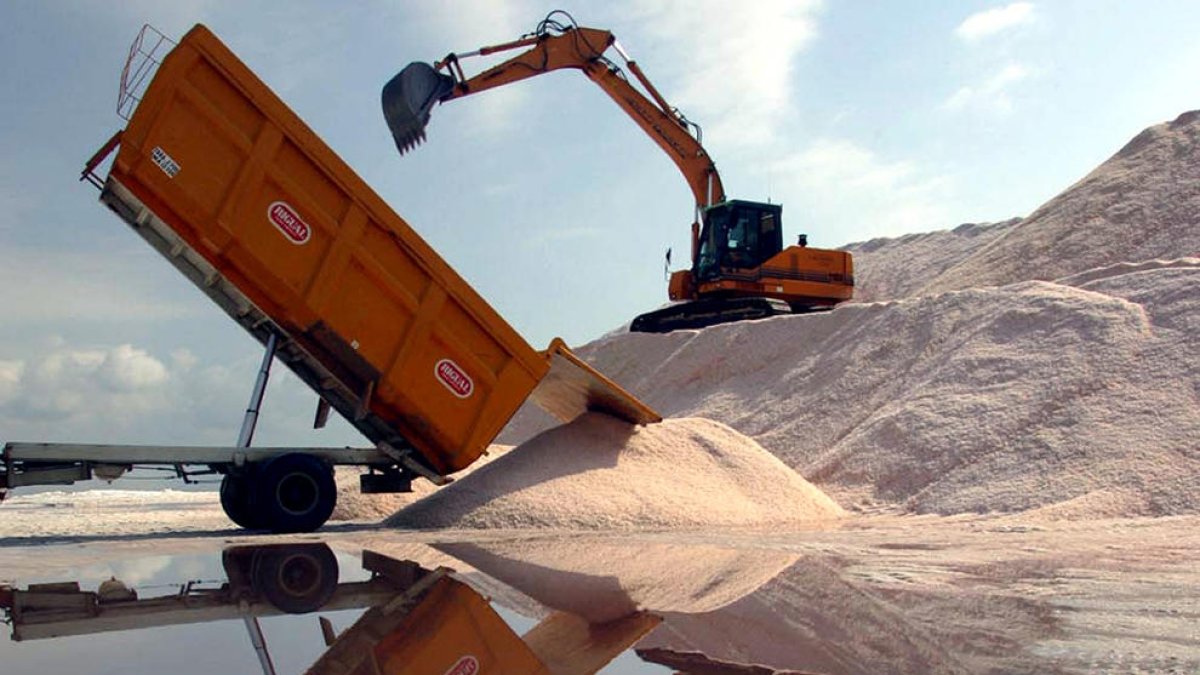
(739, 266)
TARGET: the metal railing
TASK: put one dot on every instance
(145, 55)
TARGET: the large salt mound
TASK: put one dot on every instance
(1141, 204)
(599, 472)
(999, 399)
(889, 269)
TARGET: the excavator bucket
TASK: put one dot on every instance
(407, 99)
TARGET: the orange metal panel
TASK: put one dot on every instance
(215, 154)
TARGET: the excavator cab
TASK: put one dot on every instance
(738, 235)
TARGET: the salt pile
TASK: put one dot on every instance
(1001, 399)
(1141, 204)
(353, 504)
(599, 472)
(894, 268)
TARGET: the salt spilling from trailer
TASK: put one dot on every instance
(599, 472)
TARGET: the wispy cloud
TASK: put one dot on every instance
(68, 382)
(124, 393)
(491, 22)
(833, 177)
(733, 63)
(42, 284)
(989, 22)
(992, 94)
(552, 236)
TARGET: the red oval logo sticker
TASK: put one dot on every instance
(467, 665)
(454, 378)
(286, 220)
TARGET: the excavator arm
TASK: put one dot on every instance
(410, 96)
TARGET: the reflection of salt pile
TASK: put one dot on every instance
(813, 618)
(599, 472)
(602, 580)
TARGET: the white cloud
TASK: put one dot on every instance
(183, 359)
(10, 379)
(557, 235)
(732, 64)
(996, 20)
(59, 392)
(67, 382)
(39, 284)
(128, 369)
(991, 95)
(845, 187)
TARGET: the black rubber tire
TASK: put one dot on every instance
(294, 493)
(237, 499)
(296, 579)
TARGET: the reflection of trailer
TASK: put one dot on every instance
(221, 178)
(262, 581)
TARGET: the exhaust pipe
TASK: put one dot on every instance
(407, 99)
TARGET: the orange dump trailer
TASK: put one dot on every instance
(223, 179)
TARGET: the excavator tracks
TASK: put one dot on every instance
(708, 312)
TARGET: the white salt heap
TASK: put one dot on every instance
(353, 504)
(599, 472)
(1002, 399)
(890, 269)
(1141, 204)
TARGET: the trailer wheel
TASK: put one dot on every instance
(295, 493)
(237, 493)
(296, 579)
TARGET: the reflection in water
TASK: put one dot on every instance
(262, 581)
(898, 606)
(420, 620)
(602, 580)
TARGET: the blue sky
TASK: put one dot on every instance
(864, 119)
